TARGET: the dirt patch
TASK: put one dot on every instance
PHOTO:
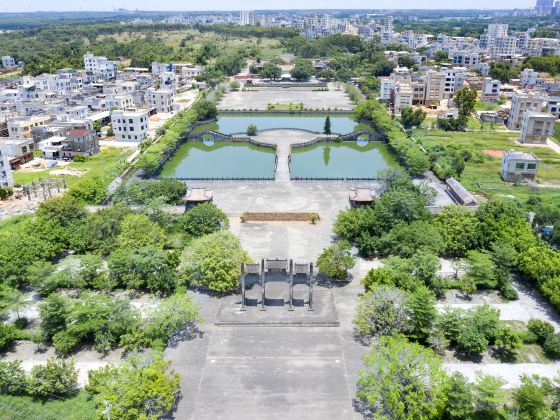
(493, 153)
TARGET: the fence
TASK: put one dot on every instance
(227, 178)
(320, 111)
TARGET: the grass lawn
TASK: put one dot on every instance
(285, 107)
(485, 168)
(556, 136)
(25, 408)
(486, 106)
(93, 166)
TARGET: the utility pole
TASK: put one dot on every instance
(107, 408)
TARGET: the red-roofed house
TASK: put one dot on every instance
(80, 142)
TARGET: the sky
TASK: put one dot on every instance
(185, 5)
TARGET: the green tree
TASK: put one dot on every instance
(205, 110)
(141, 268)
(53, 312)
(336, 260)
(381, 312)
(12, 378)
(531, 398)
(490, 398)
(401, 380)
(327, 128)
(172, 315)
(465, 100)
(441, 56)
(460, 398)
(13, 301)
(214, 261)
(508, 341)
(270, 71)
(412, 118)
(480, 269)
(143, 387)
(58, 378)
(204, 219)
(406, 61)
(421, 309)
(404, 239)
(137, 230)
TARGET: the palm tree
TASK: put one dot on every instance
(12, 300)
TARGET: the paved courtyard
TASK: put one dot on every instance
(259, 99)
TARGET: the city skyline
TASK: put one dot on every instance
(222, 5)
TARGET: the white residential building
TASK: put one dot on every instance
(490, 90)
(130, 124)
(118, 102)
(160, 99)
(386, 89)
(158, 68)
(483, 68)
(466, 59)
(5, 170)
(536, 127)
(496, 30)
(100, 66)
(435, 85)
(529, 77)
(553, 106)
(454, 79)
(517, 166)
(246, 18)
(521, 103)
(402, 97)
(8, 61)
(22, 128)
(503, 45)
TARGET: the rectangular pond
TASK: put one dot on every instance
(238, 123)
(331, 160)
(195, 160)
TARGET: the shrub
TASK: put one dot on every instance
(336, 260)
(378, 276)
(8, 333)
(58, 378)
(551, 346)
(541, 329)
(508, 340)
(12, 378)
(204, 219)
(252, 130)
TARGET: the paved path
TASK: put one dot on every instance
(529, 305)
(510, 372)
(283, 140)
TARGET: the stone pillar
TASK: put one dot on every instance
(242, 287)
(291, 285)
(263, 287)
(310, 287)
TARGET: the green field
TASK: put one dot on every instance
(486, 169)
(93, 166)
(25, 408)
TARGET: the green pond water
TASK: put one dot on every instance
(221, 160)
(238, 123)
(341, 160)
